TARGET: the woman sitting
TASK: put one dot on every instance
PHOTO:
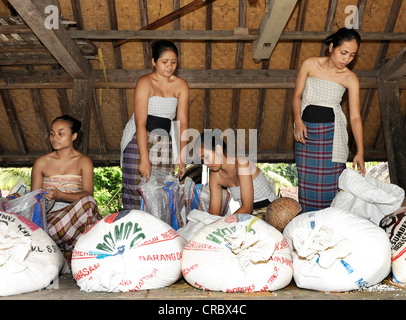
(243, 179)
(67, 177)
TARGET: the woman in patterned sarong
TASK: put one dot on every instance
(160, 97)
(321, 148)
(67, 177)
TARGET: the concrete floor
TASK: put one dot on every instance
(66, 289)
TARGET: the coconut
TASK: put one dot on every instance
(281, 211)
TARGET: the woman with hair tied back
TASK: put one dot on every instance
(242, 178)
(321, 148)
(67, 177)
(148, 139)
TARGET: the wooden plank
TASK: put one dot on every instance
(272, 24)
(207, 66)
(14, 121)
(394, 69)
(80, 109)
(58, 42)
(259, 122)
(328, 26)
(41, 118)
(394, 130)
(196, 78)
(145, 42)
(98, 122)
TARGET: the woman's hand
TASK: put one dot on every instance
(182, 168)
(52, 193)
(359, 164)
(300, 132)
(145, 169)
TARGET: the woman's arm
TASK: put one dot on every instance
(36, 174)
(300, 128)
(141, 96)
(215, 194)
(183, 117)
(356, 122)
(246, 187)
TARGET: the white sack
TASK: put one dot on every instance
(127, 251)
(29, 259)
(197, 220)
(238, 253)
(336, 250)
(395, 226)
(367, 196)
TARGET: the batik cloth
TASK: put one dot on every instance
(318, 174)
(68, 221)
(160, 155)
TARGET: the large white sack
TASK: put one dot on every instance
(336, 250)
(238, 253)
(29, 259)
(395, 226)
(367, 196)
(127, 251)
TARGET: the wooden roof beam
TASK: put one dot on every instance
(273, 22)
(395, 68)
(57, 41)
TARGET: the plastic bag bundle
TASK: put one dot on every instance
(238, 253)
(31, 206)
(336, 250)
(160, 197)
(367, 196)
(29, 259)
(395, 226)
(127, 251)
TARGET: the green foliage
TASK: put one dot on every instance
(280, 175)
(10, 176)
(107, 189)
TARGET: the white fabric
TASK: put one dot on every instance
(329, 94)
(367, 196)
(127, 251)
(238, 253)
(336, 250)
(164, 107)
(262, 190)
(29, 259)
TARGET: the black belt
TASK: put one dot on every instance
(261, 204)
(318, 114)
(154, 122)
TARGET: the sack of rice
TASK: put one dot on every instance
(127, 251)
(238, 253)
(29, 259)
(336, 250)
(395, 226)
(367, 196)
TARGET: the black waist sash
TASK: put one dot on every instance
(154, 122)
(318, 114)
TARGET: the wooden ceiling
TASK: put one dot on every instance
(240, 58)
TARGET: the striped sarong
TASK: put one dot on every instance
(318, 175)
(66, 225)
(160, 155)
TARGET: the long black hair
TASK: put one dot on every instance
(342, 35)
(210, 139)
(160, 46)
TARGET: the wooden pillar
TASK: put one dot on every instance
(394, 131)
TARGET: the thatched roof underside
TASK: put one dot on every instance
(241, 72)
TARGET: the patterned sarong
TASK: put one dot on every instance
(160, 155)
(318, 175)
(66, 225)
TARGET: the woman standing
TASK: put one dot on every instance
(67, 177)
(160, 97)
(321, 148)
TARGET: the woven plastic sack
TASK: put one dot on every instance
(395, 226)
(127, 251)
(367, 196)
(160, 197)
(31, 206)
(29, 259)
(336, 250)
(239, 253)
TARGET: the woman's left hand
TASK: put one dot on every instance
(359, 164)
